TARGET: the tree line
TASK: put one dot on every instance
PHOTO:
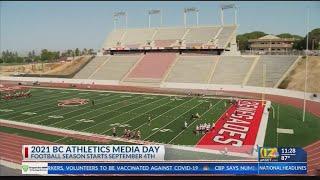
(299, 42)
(44, 56)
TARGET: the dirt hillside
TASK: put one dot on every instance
(56, 68)
(296, 78)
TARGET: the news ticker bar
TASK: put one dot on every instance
(254, 168)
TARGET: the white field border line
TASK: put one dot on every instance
(142, 114)
(95, 110)
(86, 107)
(31, 100)
(115, 116)
(125, 113)
(262, 128)
(164, 113)
(195, 121)
(40, 109)
(40, 102)
(72, 132)
(172, 121)
(62, 109)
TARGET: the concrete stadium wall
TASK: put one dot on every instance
(195, 86)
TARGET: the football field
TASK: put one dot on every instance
(131, 111)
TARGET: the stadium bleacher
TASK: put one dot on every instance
(152, 67)
(90, 68)
(192, 69)
(115, 68)
(225, 35)
(201, 34)
(114, 37)
(167, 36)
(157, 67)
(276, 67)
(231, 69)
(137, 37)
(169, 33)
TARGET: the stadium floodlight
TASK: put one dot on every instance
(188, 10)
(228, 6)
(152, 12)
(119, 14)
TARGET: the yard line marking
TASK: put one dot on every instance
(164, 113)
(172, 121)
(117, 115)
(40, 102)
(95, 110)
(143, 113)
(78, 110)
(194, 121)
(24, 120)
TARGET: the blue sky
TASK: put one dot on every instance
(62, 25)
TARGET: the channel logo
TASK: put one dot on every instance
(268, 153)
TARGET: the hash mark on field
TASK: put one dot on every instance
(120, 125)
(55, 117)
(104, 94)
(29, 113)
(6, 110)
(85, 120)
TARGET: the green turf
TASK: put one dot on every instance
(290, 117)
(131, 111)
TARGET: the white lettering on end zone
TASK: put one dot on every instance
(234, 128)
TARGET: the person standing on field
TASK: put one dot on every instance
(149, 120)
(114, 132)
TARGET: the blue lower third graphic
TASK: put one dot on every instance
(178, 168)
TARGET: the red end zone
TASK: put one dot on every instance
(235, 130)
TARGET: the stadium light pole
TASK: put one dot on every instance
(188, 10)
(152, 12)
(118, 14)
(235, 15)
(160, 18)
(226, 6)
(306, 70)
